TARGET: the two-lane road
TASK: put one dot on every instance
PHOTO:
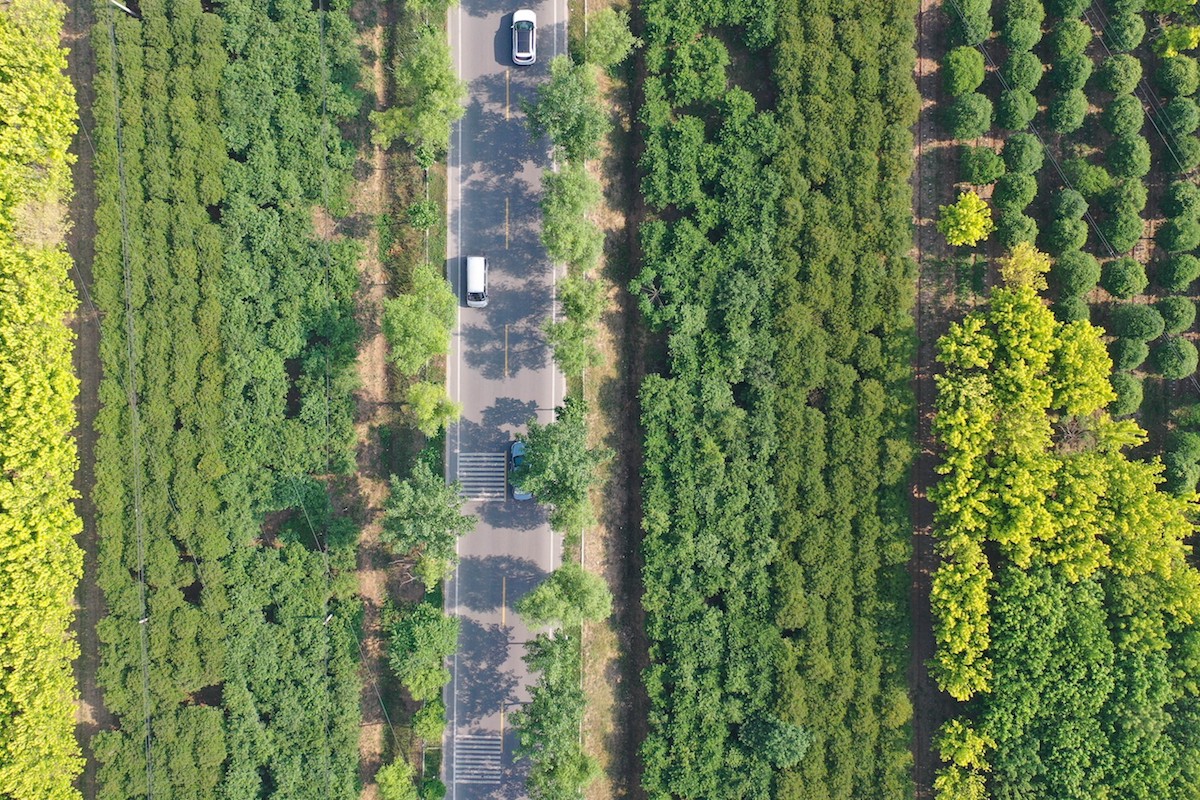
(502, 373)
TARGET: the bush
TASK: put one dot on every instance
(1071, 71)
(1069, 204)
(1124, 197)
(1016, 109)
(1125, 31)
(1129, 157)
(1178, 76)
(1032, 10)
(1022, 70)
(1124, 278)
(1023, 153)
(1066, 111)
(1182, 116)
(1185, 152)
(1178, 313)
(1068, 9)
(1064, 234)
(1075, 273)
(972, 24)
(1128, 354)
(1014, 227)
(1122, 230)
(1135, 321)
(969, 116)
(962, 70)
(1120, 74)
(1185, 445)
(1177, 272)
(1181, 475)
(1176, 358)
(980, 165)
(1088, 179)
(1129, 394)
(1179, 235)
(1020, 35)
(1014, 192)
(1072, 309)
(1182, 199)
(1123, 116)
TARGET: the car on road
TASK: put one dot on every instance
(524, 30)
(516, 457)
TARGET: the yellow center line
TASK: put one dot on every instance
(506, 96)
(506, 223)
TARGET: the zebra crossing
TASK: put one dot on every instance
(483, 475)
(477, 759)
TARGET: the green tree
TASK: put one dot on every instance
(1129, 394)
(568, 110)
(967, 221)
(980, 165)
(417, 324)
(395, 781)
(568, 598)
(1178, 76)
(559, 467)
(609, 40)
(1135, 321)
(963, 70)
(421, 637)
(1023, 152)
(424, 514)
(1124, 278)
(568, 196)
(1120, 74)
(969, 116)
(1175, 358)
(1128, 354)
(429, 721)
(430, 407)
(424, 214)
(573, 338)
(1178, 313)
(1066, 111)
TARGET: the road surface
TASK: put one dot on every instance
(502, 373)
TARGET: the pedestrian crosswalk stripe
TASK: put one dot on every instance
(477, 759)
(483, 476)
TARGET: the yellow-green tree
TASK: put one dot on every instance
(967, 221)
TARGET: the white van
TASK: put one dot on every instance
(477, 294)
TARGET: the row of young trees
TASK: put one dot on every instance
(228, 654)
(776, 527)
(1065, 607)
(39, 757)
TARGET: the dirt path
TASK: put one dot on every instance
(374, 412)
(937, 305)
(91, 716)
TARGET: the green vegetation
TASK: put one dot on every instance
(41, 564)
(567, 598)
(423, 515)
(568, 110)
(609, 41)
(1084, 608)
(967, 221)
(227, 343)
(418, 322)
(421, 637)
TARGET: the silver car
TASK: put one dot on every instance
(524, 30)
(516, 457)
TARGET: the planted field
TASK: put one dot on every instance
(777, 445)
(228, 649)
(41, 564)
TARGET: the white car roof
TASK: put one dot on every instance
(524, 15)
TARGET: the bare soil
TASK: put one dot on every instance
(938, 303)
(91, 714)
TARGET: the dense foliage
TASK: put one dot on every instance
(423, 515)
(1065, 605)
(41, 564)
(775, 525)
(227, 342)
(559, 467)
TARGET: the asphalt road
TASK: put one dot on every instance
(502, 373)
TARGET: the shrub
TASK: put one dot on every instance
(1069, 204)
(1185, 152)
(1016, 109)
(1135, 321)
(980, 165)
(1125, 196)
(969, 116)
(1180, 475)
(1185, 445)
(1087, 178)
(1129, 157)
(972, 24)
(963, 70)
(1177, 272)
(1120, 74)
(1072, 309)
(1175, 358)
(1032, 10)
(967, 221)
(1178, 76)
(1122, 230)
(1071, 71)
(1178, 313)
(1023, 153)
(1123, 116)
(1022, 70)
(1129, 394)
(1128, 354)
(1064, 234)
(1179, 235)
(1068, 9)
(1182, 116)
(1014, 227)
(1075, 273)
(1014, 192)
(1020, 35)
(1124, 278)
(1066, 111)
(1125, 31)
(1182, 199)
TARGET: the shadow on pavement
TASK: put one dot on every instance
(496, 578)
(483, 685)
